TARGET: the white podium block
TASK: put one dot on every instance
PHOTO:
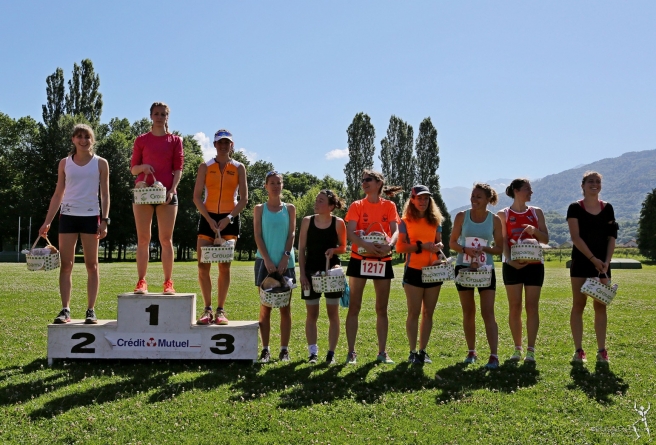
(153, 327)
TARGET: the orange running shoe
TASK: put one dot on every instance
(168, 288)
(141, 288)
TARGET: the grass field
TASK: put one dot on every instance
(294, 402)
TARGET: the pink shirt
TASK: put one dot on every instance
(163, 153)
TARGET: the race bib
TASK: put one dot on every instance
(370, 268)
(475, 242)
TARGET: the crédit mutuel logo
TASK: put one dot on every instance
(154, 342)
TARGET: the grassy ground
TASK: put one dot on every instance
(197, 402)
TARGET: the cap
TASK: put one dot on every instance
(223, 134)
(420, 190)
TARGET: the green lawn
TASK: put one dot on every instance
(207, 402)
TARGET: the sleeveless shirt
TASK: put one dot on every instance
(81, 188)
(318, 241)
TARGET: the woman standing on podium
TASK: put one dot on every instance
(274, 224)
(157, 153)
(78, 179)
(221, 179)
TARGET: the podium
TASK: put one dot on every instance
(153, 326)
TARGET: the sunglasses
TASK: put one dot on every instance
(271, 173)
(368, 179)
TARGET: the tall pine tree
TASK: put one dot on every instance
(398, 162)
(647, 227)
(361, 136)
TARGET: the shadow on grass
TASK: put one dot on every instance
(459, 381)
(599, 385)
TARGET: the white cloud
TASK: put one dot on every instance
(337, 154)
(250, 155)
(206, 145)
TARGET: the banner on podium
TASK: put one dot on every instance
(155, 342)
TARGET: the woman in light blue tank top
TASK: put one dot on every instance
(477, 236)
(274, 224)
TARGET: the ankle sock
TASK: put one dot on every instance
(313, 349)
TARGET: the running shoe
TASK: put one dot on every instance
(422, 357)
(384, 358)
(265, 356)
(412, 357)
(206, 318)
(313, 358)
(284, 355)
(517, 356)
(330, 358)
(141, 287)
(530, 356)
(492, 363)
(90, 317)
(602, 356)
(168, 288)
(471, 358)
(352, 358)
(221, 318)
(64, 316)
(579, 356)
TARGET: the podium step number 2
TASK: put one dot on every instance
(153, 326)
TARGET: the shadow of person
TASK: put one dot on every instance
(599, 385)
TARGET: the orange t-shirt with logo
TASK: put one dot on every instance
(411, 231)
(371, 217)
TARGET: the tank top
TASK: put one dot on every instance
(275, 227)
(514, 222)
(221, 186)
(81, 188)
(318, 241)
(412, 231)
(476, 234)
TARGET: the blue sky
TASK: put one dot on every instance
(514, 88)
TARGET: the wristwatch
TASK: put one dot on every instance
(230, 217)
(107, 220)
(287, 253)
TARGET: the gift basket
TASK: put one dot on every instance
(528, 249)
(275, 290)
(330, 280)
(603, 293)
(372, 237)
(145, 194)
(439, 270)
(475, 276)
(223, 251)
(44, 258)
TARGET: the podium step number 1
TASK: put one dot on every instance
(153, 326)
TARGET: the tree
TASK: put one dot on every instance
(299, 183)
(186, 223)
(361, 135)
(647, 226)
(83, 97)
(428, 161)
(398, 162)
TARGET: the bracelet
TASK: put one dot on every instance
(463, 249)
(418, 243)
(591, 257)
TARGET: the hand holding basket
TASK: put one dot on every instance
(154, 194)
(373, 237)
(42, 259)
(334, 282)
(603, 293)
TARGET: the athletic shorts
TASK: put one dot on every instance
(261, 272)
(529, 275)
(354, 265)
(230, 232)
(413, 278)
(492, 286)
(79, 224)
(313, 298)
(584, 269)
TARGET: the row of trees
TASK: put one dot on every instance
(30, 150)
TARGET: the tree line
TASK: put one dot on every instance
(30, 151)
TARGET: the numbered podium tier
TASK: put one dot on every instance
(153, 326)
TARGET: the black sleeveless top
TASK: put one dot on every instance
(318, 241)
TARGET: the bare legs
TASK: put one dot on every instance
(579, 301)
(422, 301)
(67, 243)
(515, 312)
(382, 289)
(487, 312)
(285, 324)
(311, 324)
(143, 217)
(205, 281)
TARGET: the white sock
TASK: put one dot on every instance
(313, 349)
(265, 347)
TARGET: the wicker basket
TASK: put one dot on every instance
(439, 272)
(524, 251)
(217, 254)
(329, 283)
(36, 260)
(149, 195)
(603, 293)
(275, 299)
(379, 238)
(474, 278)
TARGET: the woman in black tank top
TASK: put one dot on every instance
(322, 237)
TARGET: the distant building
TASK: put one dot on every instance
(566, 245)
(631, 243)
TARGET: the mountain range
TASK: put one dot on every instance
(626, 181)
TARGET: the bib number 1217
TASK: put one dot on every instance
(370, 268)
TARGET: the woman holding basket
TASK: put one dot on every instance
(221, 179)
(371, 259)
(522, 221)
(420, 238)
(78, 179)
(274, 224)
(593, 229)
(321, 238)
(159, 153)
(474, 233)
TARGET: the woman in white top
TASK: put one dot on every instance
(79, 177)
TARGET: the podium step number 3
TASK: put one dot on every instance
(153, 326)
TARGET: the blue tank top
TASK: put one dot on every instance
(275, 227)
(475, 234)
